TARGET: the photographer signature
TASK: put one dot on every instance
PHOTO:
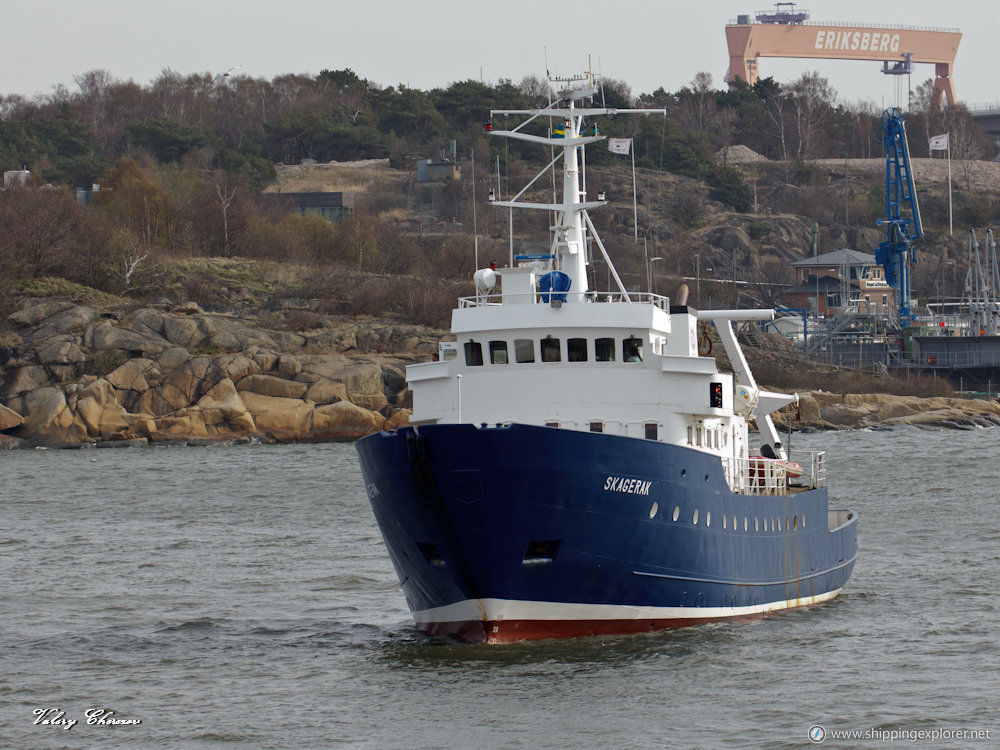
(56, 717)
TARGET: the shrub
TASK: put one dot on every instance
(727, 185)
(300, 321)
(103, 363)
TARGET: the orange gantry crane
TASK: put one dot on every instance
(787, 32)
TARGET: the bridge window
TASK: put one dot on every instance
(576, 350)
(474, 354)
(632, 349)
(604, 350)
(498, 352)
(524, 350)
(551, 349)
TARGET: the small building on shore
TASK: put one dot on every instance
(334, 207)
(841, 281)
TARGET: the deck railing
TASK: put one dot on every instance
(484, 300)
(770, 476)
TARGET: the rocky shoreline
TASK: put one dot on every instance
(821, 410)
(74, 376)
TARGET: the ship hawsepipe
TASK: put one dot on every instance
(519, 532)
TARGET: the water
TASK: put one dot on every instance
(241, 597)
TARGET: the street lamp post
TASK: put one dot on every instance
(652, 275)
(697, 271)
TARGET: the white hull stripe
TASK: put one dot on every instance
(777, 581)
(494, 610)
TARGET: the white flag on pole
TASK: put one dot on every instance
(619, 145)
(939, 143)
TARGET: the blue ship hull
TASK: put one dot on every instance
(501, 534)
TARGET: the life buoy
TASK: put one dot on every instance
(704, 345)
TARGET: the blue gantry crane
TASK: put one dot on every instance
(902, 213)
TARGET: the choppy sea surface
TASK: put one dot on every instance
(241, 597)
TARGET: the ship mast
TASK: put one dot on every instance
(569, 236)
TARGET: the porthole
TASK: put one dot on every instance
(788, 526)
(795, 520)
(724, 522)
(708, 518)
(772, 524)
(684, 473)
(744, 523)
(803, 520)
(734, 523)
(677, 512)
(756, 525)
(779, 525)
(652, 511)
(706, 477)
(694, 518)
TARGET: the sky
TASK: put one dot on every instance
(645, 43)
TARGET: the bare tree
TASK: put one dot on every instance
(95, 89)
(225, 197)
(10, 104)
(126, 261)
(45, 232)
(698, 104)
(535, 88)
(811, 97)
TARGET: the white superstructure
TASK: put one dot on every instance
(548, 350)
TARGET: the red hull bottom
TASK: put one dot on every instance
(512, 631)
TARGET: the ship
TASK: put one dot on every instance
(576, 463)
